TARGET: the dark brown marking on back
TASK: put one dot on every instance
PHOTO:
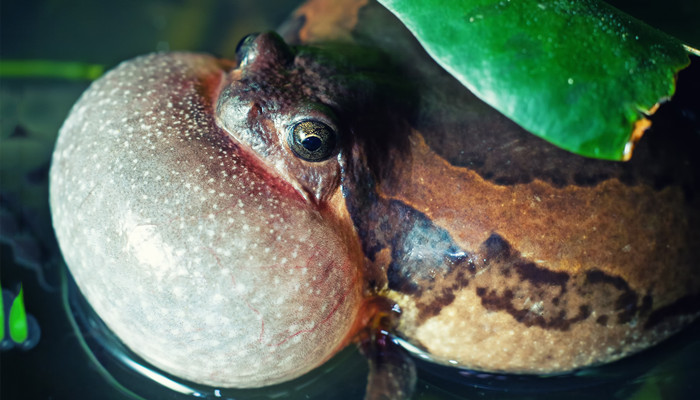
(541, 276)
(538, 296)
(425, 261)
(532, 295)
(444, 292)
(493, 301)
(626, 305)
(465, 138)
(420, 258)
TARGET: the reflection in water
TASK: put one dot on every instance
(652, 374)
(129, 374)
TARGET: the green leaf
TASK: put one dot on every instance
(580, 74)
(18, 319)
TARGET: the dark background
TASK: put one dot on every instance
(107, 32)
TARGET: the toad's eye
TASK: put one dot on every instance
(312, 140)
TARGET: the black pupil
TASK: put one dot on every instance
(311, 143)
(311, 140)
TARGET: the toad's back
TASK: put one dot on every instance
(504, 252)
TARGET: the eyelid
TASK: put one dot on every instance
(320, 113)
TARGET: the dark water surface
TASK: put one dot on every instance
(75, 357)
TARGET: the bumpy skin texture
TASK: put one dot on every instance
(194, 251)
(505, 253)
